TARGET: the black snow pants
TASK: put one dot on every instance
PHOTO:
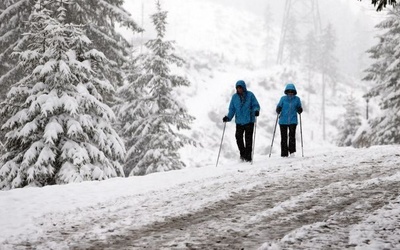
(285, 147)
(245, 149)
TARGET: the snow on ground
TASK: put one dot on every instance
(333, 198)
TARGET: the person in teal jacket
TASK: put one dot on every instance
(245, 107)
(288, 107)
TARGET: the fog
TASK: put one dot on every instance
(352, 20)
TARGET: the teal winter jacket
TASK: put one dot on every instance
(289, 106)
(243, 107)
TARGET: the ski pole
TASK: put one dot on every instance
(221, 144)
(273, 136)
(301, 135)
(254, 141)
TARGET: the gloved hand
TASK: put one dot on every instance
(225, 119)
(300, 110)
(278, 110)
(257, 113)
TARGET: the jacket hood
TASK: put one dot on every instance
(290, 86)
(242, 84)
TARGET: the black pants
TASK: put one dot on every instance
(285, 147)
(245, 150)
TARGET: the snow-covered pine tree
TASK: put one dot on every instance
(351, 123)
(385, 72)
(153, 115)
(98, 17)
(12, 25)
(59, 128)
(132, 110)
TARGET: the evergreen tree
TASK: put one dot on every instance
(311, 59)
(132, 111)
(327, 67)
(385, 72)
(327, 61)
(98, 17)
(269, 35)
(152, 115)
(293, 41)
(360, 43)
(59, 127)
(382, 3)
(351, 123)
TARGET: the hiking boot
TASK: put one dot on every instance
(247, 158)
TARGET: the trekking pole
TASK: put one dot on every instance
(301, 136)
(221, 144)
(273, 136)
(254, 141)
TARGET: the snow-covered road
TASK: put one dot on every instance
(333, 199)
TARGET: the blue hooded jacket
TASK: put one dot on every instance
(243, 107)
(289, 106)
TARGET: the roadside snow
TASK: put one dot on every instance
(342, 196)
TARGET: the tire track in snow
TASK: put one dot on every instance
(322, 201)
(271, 211)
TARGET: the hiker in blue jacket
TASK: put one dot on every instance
(287, 108)
(244, 106)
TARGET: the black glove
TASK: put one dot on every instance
(256, 113)
(300, 110)
(278, 110)
(225, 119)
